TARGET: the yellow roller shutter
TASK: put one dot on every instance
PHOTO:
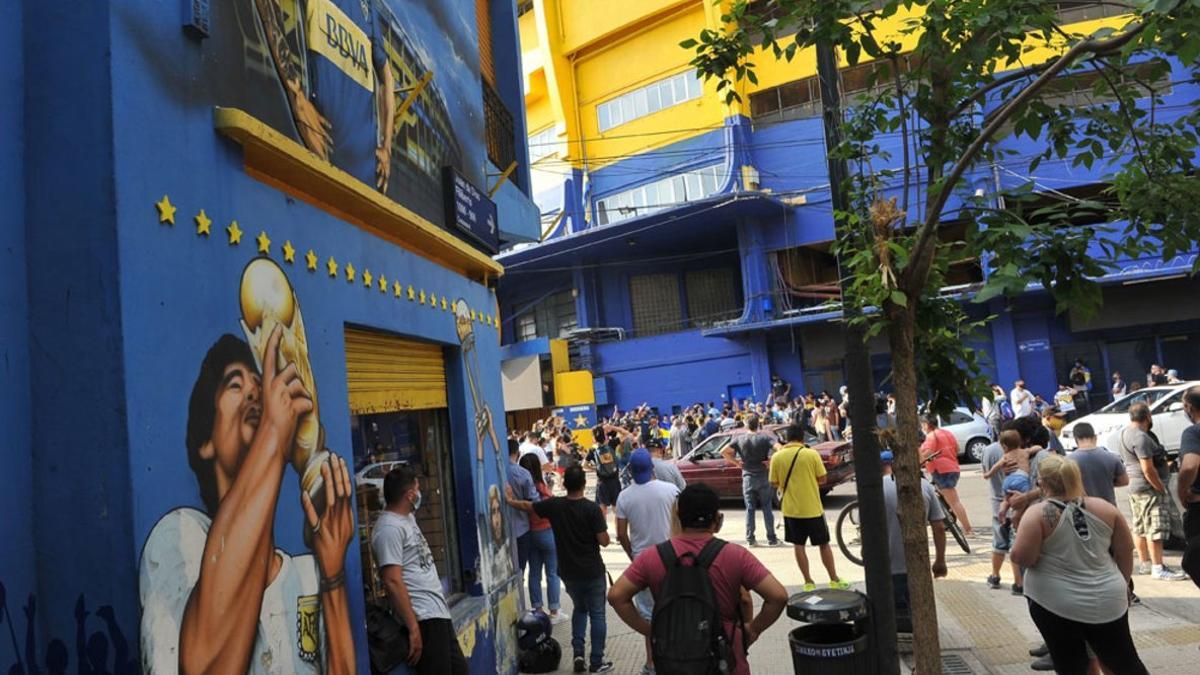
(387, 373)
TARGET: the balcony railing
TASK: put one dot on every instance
(498, 129)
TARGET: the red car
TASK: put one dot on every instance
(704, 464)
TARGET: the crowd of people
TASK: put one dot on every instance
(1054, 518)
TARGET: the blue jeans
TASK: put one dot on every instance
(589, 600)
(903, 606)
(523, 545)
(757, 493)
(542, 554)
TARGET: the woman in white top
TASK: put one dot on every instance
(1078, 552)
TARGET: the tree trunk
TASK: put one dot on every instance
(910, 502)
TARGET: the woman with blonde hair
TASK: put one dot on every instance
(1078, 552)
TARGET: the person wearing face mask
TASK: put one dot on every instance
(410, 578)
(1146, 463)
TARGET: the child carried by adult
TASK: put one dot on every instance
(1015, 465)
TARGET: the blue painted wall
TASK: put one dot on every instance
(675, 369)
(17, 576)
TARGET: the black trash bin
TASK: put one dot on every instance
(837, 637)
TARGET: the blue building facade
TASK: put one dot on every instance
(705, 299)
(197, 205)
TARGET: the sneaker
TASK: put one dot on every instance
(752, 542)
(1039, 651)
(840, 584)
(1042, 663)
(1168, 574)
(1134, 599)
(1142, 568)
(774, 542)
(1018, 590)
(580, 665)
(809, 587)
(605, 667)
(993, 582)
(646, 670)
(557, 618)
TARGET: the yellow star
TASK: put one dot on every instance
(422, 297)
(382, 284)
(433, 300)
(445, 305)
(235, 233)
(350, 273)
(368, 280)
(264, 243)
(580, 422)
(311, 259)
(472, 315)
(166, 210)
(332, 266)
(397, 289)
(203, 223)
(289, 253)
(412, 295)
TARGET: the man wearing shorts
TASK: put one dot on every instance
(941, 449)
(1146, 463)
(603, 458)
(798, 472)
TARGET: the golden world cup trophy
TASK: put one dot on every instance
(267, 301)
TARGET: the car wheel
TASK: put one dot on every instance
(975, 448)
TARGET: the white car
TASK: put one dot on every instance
(1166, 407)
(971, 430)
(373, 474)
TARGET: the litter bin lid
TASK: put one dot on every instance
(827, 606)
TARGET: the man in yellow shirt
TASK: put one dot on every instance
(798, 472)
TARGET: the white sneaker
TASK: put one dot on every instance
(1167, 574)
(1142, 567)
(557, 617)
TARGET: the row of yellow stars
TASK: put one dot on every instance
(166, 214)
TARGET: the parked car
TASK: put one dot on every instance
(1166, 406)
(704, 464)
(972, 432)
(372, 475)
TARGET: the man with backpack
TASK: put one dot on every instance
(604, 459)
(644, 512)
(698, 627)
(798, 471)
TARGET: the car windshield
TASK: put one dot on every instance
(710, 448)
(1147, 396)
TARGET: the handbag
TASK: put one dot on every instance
(387, 638)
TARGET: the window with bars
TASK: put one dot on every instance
(553, 317)
(1083, 10)
(711, 296)
(801, 98)
(654, 299)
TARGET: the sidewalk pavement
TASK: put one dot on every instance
(990, 630)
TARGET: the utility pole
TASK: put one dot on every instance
(868, 469)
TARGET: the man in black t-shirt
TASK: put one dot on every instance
(579, 532)
(752, 451)
(605, 459)
(1189, 483)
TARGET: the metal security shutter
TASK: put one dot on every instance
(483, 18)
(655, 303)
(387, 373)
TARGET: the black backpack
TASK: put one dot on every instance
(606, 470)
(686, 633)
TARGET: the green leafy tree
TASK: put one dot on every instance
(952, 77)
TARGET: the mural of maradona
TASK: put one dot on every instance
(216, 594)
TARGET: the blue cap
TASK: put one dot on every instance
(641, 465)
(886, 457)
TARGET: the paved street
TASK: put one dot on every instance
(990, 630)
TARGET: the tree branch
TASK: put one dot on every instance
(979, 93)
(919, 265)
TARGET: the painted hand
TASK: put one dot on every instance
(315, 130)
(284, 397)
(383, 167)
(334, 528)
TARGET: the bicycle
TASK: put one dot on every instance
(848, 528)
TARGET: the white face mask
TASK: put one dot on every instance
(416, 502)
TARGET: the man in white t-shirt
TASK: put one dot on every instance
(410, 578)
(209, 604)
(1021, 400)
(644, 514)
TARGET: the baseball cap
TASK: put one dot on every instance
(698, 506)
(886, 457)
(641, 465)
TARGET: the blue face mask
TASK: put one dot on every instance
(417, 501)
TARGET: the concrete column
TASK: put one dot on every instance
(1004, 347)
(757, 284)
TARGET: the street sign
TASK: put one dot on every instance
(469, 211)
(1026, 346)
